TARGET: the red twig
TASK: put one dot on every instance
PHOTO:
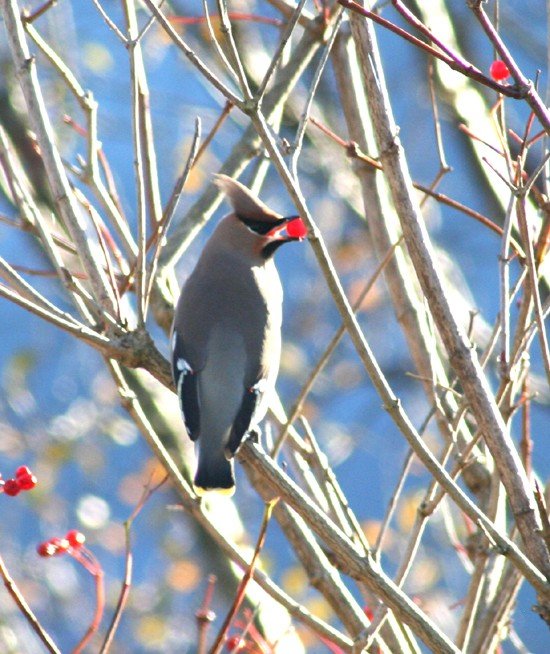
(41, 10)
(102, 157)
(526, 443)
(257, 642)
(233, 15)
(524, 87)
(44, 273)
(239, 597)
(352, 150)
(127, 582)
(205, 616)
(441, 52)
(92, 565)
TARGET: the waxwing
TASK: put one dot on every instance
(226, 336)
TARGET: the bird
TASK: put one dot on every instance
(226, 334)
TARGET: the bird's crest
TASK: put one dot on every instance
(245, 204)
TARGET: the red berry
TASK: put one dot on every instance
(26, 482)
(46, 549)
(11, 487)
(60, 545)
(499, 71)
(75, 538)
(22, 471)
(296, 228)
(235, 644)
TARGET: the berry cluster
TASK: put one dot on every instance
(24, 480)
(73, 540)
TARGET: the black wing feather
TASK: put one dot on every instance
(243, 420)
(186, 380)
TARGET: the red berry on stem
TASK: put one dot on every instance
(499, 71)
(22, 471)
(296, 228)
(75, 538)
(26, 482)
(46, 549)
(234, 644)
(11, 487)
(60, 545)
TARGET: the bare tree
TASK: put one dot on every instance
(303, 87)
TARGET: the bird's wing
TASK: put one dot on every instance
(244, 420)
(186, 380)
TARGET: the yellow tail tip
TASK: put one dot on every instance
(202, 492)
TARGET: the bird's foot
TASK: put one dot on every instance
(255, 435)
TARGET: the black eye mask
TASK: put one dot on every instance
(261, 227)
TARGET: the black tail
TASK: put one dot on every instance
(214, 472)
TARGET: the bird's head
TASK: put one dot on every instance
(253, 227)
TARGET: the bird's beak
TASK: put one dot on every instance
(291, 228)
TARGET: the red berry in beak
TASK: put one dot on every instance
(296, 228)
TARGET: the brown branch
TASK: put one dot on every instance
(461, 357)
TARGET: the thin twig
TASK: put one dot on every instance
(128, 567)
(25, 609)
(300, 132)
(25, 67)
(112, 26)
(353, 151)
(321, 363)
(139, 168)
(343, 509)
(392, 505)
(217, 46)
(533, 277)
(205, 616)
(164, 223)
(543, 512)
(40, 11)
(276, 59)
(240, 594)
(237, 67)
(192, 56)
(219, 122)
(148, 24)
(91, 564)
